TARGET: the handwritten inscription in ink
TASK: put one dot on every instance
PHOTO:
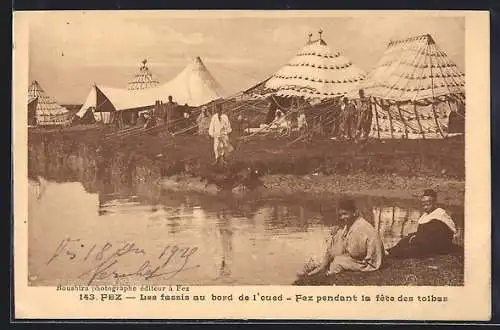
(115, 261)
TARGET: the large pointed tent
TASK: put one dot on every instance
(316, 72)
(43, 110)
(143, 79)
(415, 89)
(194, 86)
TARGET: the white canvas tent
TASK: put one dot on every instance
(194, 86)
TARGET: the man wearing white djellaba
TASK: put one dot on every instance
(219, 130)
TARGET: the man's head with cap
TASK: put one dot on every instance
(428, 200)
(347, 210)
(218, 108)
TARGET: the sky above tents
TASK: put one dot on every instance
(69, 51)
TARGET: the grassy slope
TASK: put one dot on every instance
(443, 158)
(444, 270)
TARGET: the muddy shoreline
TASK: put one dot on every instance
(390, 169)
(451, 192)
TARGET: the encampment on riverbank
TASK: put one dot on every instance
(401, 168)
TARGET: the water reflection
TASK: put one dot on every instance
(238, 241)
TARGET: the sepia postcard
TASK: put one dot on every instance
(314, 165)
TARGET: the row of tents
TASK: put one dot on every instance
(414, 88)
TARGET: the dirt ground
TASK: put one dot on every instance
(443, 158)
(450, 191)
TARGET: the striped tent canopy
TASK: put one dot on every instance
(414, 69)
(143, 79)
(416, 91)
(316, 72)
(47, 111)
(257, 91)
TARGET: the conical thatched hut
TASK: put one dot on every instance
(316, 72)
(143, 79)
(43, 110)
(416, 91)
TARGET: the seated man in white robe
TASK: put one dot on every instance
(354, 246)
(280, 123)
(434, 234)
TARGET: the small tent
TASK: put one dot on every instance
(43, 110)
(143, 79)
(316, 72)
(414, 89)
(194, 86)
(32, 102)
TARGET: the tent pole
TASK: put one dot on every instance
(448, 102)
(376, 117)
(390, 120)
(432, 102)
(436, 119)
(403, 120)
(418, 120)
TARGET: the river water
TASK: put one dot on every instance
(89, 225)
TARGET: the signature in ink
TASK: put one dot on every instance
(110, 258)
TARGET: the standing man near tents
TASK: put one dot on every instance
(168, 116)
(335, 119)
(365, 116)
(219, 130)
(348, 112)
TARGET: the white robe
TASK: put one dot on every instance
(358, 248)
(441, 215)
(301, 121)
(219, 130)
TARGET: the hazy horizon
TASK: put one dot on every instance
(69, 51)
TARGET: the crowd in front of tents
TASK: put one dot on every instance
(343, 119)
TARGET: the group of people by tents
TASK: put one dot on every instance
(175, 117)
(344, 119)
(210, 123)
(349, 119)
